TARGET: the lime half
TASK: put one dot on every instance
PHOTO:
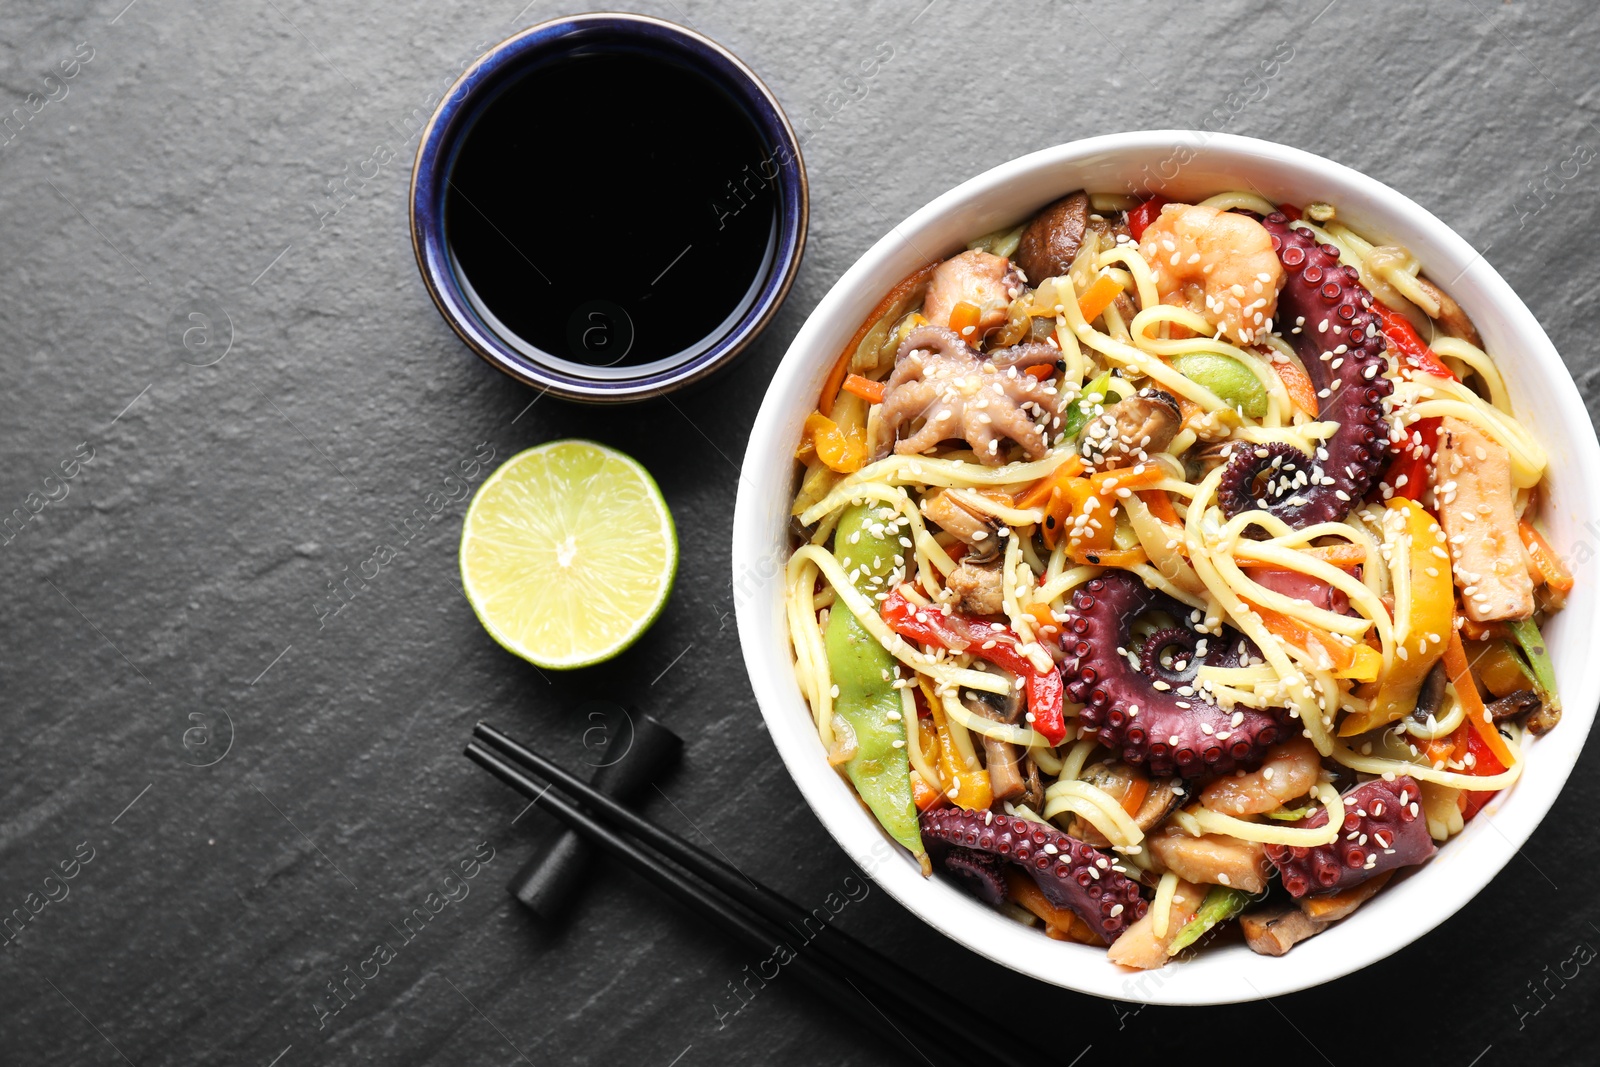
(568, 553)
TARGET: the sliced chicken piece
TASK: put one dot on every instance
(1213, 859)
(1472, 483)
(987, 282)
(1140, 947)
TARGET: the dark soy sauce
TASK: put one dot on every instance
(613, 210)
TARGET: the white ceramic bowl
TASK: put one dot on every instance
(1179, 165)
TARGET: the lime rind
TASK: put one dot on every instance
(559, 503)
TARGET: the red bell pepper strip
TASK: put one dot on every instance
(1408, 346)
(1143, 215)
(1411, 467)
(1484, 763)
(963, 633)
(1409, 473)
(1291, 211)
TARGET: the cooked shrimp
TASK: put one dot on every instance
(1289, 772)
(1217, 263)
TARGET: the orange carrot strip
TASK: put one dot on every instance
(865, 388)
(1099, 297)
(965, 316)
(1343, 555)
(1024, 891)
(1160, 505)
(1116, 557)
(1041, 370)
(1043, 619)
(1039, 492)
(1544, 557)
(1137, 791)
(841, 367)
(1456, 666)
(1304, 637)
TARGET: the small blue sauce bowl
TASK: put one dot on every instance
(596, 380)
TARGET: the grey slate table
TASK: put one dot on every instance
(248, 162)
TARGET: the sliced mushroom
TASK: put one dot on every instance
(979, 587)
(1451, 316)
(976, 531)
(1432, 694)
(1526, 705)
(1275, 930)
(1002, 759)
(1033, 784)
(1130, 430)
(1050, 242)
(1116, 778)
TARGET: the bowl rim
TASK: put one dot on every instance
(757, 570)
(453, 116)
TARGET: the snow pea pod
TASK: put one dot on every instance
(866, 706)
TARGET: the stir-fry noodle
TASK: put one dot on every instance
(1159, 565)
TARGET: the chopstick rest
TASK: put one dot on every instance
(631, 759)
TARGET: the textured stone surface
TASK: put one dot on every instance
(176, 586)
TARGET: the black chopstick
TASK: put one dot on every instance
(868, 973)
(774, 908)
(848, 997)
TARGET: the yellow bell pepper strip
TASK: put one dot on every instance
(963, 633)
(1477, 716)
(902, 294)
(1093, 303)
(867, 389)
(1545, 560)
(1526, 631)
(1430, 614)
(840, 450)
(1498, 667)
(866, 701)
(970, 789)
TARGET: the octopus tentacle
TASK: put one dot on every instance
(980, 871)
(1327, 314)
(1172, 726)
(1383, 829)
(1070, 873)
